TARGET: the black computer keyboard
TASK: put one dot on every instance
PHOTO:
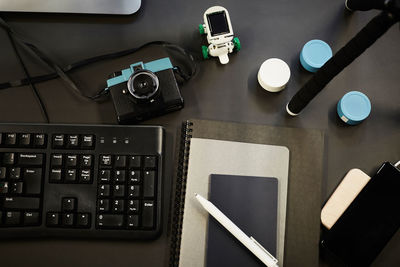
(83, 181)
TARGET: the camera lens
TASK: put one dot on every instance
(143, 84)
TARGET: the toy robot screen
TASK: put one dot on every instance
(218, 23)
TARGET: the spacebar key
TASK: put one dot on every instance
(21, 203)
(110, 220)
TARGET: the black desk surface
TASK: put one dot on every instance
(266, 29)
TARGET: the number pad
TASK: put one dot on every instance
(127, 192)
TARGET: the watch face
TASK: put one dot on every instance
(218, 23)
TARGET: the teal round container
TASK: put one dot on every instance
(315, 54)
(354, 107)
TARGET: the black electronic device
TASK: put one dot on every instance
(145, 90)
(389, 16)
(369, 222)
(81, 181)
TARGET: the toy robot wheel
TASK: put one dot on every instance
(237, 44)
(201, 29)
(204, 50)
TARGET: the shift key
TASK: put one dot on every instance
(21, 203)
(30, 159)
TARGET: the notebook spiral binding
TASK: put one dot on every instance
(180, 192)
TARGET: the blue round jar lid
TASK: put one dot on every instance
(315, 54)
(354, 106)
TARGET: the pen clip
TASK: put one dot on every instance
(266, 251)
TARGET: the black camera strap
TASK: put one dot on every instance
(15, 37)
(62, 72)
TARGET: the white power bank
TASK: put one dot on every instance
(344, 194)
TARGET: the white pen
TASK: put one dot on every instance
(248, 242)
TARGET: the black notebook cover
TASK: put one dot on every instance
(250, 203)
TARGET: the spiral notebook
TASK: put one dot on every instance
(208, 156)
(301, 235)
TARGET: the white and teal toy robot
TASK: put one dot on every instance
(217, 25)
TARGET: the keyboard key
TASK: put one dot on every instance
(55, 175)
(33, 180)
(31, 218)
(2, 173)
(70, 176)
(148, 183)
(83, 220)
(8, 158)
(119, 176)
(105, 176)
(39, 140)
(22, 203)
(86, 161)
(25, 139)
(133, 206)
(58, 141)
(30, 159)
(85, 176)
(134, 177)
(105, 160)
(73, 141)
(52, 219)
(15, 173)
(10, 139)
(68, 219)
(118, 205)
(71, 160)
(13, 218)
(104, 190)
(134, 161)
(68, 204)
(150, 162)
(56, 160)
(103, 205)
(15, 188)
(133, 191)
(110, 220)
(120, 161)
(119, 191)
(132, 221)
(3, 187)
(87, 141)
(148, 214)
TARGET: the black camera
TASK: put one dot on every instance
(145, 90)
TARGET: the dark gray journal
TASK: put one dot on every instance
(250, 203)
